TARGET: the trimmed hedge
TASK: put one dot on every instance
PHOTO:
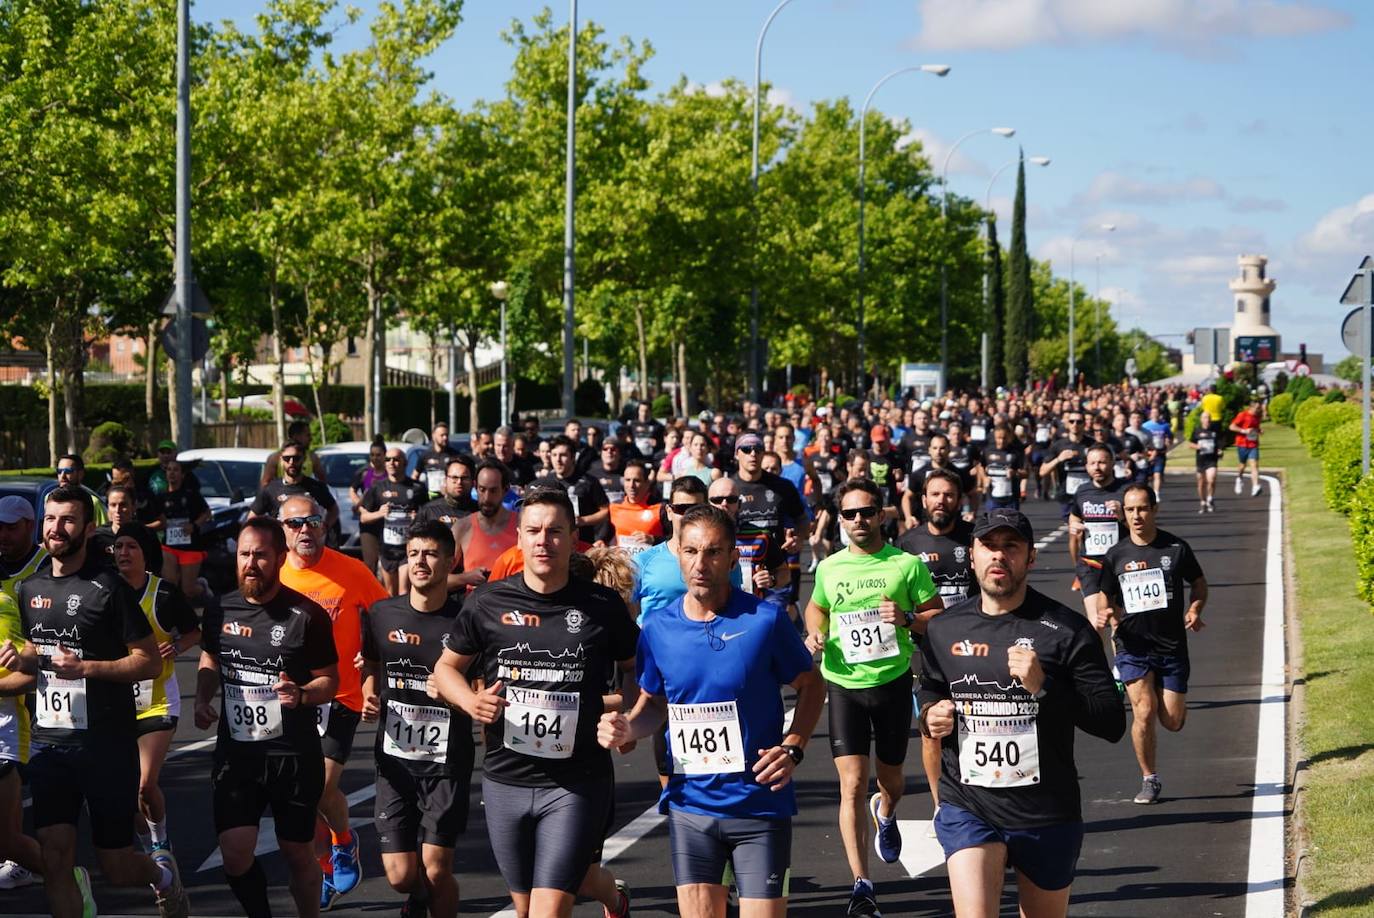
(1321, 421)
(1302, 388)
(1361, 509)
(1333, 395)
(1306, 408)
(1281, 409)
(1341, 465)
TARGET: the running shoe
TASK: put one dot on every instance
(328, 894)
(1239, 483)
(887, 837)
(862, 903)
(172, 902)
(347, 871)
(14, 876)
(83, 886)
(1149, 791)
(414, 908)
(1254, 490)
(623, 907)
(1202, 508)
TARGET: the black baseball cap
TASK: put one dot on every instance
(1004, 518)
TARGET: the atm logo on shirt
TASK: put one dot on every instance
(1135, 565)
(521, 619)
(40, 602)
(401, 636)
(967, 648)
(237, 629)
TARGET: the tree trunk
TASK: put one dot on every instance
(172, 393)
(52, 387)
(225, 369)
(370, 394)
(278, 373)
(470, 364)
(643, 354)
(684, 397)
(150, 372)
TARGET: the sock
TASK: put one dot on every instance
(1152, 777)
(884, 820)
(250, 888)
(341, 840)
(326, 865)
(158, 830)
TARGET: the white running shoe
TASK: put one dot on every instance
(1254, 490)
(1240, 483)
(14, 876)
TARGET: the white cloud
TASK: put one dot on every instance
(937, 148)
(1347, 230)
(1114, 186)
(1001, 24)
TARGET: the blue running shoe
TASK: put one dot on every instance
(347, 871)
(327, 894)
(887, 838)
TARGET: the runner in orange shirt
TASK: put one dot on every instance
(637, 524)
(345, 588)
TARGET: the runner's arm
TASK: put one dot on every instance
(1197, 599)
(141, 662)
(926, 611)
(646, 716)
(1075, 537)
(322, 687)
(807, 711)
(817, 625)
(23, 669)
(1098, 708)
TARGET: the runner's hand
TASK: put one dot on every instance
(485, 706)
(9, 656)
(815, 642)
(432, 687)
(67, 664)
(371, 708)
(288, 692)
(940, 719)
(613, 730)
(1024, 664)
(1065, 455)
(774, 768)
(889, 613)
(206, 714)
(167, 649)
(789, 542)
(763, 578)
(358, 660)
(1193, 621)
(1101, 616)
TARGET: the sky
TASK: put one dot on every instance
(1201, 129)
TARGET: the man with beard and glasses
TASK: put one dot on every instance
(1005, 679)
(345, 589)
(269, 651)
(424, 750)
(1066, 460)
(393, 501)
(484, 536)
(294, 481)
(88, 642)
(455, 502)
(869, 601)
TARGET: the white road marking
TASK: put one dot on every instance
(1267, 871)
(1063, 528)
(920, 853)
(267, 830)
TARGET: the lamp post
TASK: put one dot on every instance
(568, 226)
(501, 290)
(183, 429)
(1073, 359)
(987, 208)
(755, 390)
(944, 216)
(938, 70)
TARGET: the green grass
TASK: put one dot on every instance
(1337, 730)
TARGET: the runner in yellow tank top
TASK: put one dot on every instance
(157, 700)
(20, 857)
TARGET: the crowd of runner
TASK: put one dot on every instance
(557, 600)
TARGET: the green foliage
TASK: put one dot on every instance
(1281, 409)
(994, 322)
(1334, 395)
(1350, 368)
(1017, 338)
(1316, 424)
(109, 441)
(330, 428)
(1190, 423)
(1361, 511)
(662, 406)
(1302, 413)
(1301, 388)
(1340, 457)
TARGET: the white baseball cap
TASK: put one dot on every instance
(14, 508)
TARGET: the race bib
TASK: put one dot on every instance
(1143, 591)
(746, 572)
(253, 712)
(396, 524)
(645, 445)
(577, 504)
(668, 490)
(1122, 469)
(541, 724)
(434, 480)
(952, 589)
(864, 637)
(1159, 441)
(143, 695)
(1000, 483)
(632, 545)
(999, 750)
(1142, 463)
(178, 533)
(919, 462)
(1075, 480)
(978, 432)
(1206, 446)
(1100, 537)
(322, 718)
(417, 732)
(1042, 435)
(706, 738)
(61, 702)
(827, 481)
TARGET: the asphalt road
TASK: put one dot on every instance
(1186, 856)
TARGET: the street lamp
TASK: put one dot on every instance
(987, 209)
(501, 290)
(1073, 359)
(569, 316)
(938, 70)
(755, 390)
(944, 215)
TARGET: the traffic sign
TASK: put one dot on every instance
(1350, 333)
(200, 303)
(200, 339)
(1357, 292)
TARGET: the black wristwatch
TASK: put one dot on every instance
(795, 752)
(909, 618)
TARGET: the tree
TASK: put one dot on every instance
(1019, 297)
(1350, 368)
(995, 319)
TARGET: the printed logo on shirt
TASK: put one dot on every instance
(521, 619)
(1028, 643)
(930, 557)
(73, 604)
(1136, 565)
(967, 648)
(960, 553)
(237, 629)
(277, 634)
(1166, 562)
(401, 636)
(575, 620)
(40, 602)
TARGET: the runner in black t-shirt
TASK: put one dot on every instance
(546, 642)
(646, 432)
(912, 511)
(394, 501)
(88, 642)
(433, 462)
(1143, 579)
(1001, 471)
(591, 506)
(271, 652)
(292, 483)
(424, 748)
(1096, 523)
(120, 502)
(770, 510)
(456, 500)
(1206, 441)
(1005, 679)
(185, 512)
(1066, 459)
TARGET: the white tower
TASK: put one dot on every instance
(1252, 291)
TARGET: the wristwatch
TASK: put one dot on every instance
(794, 751)
(909, 617)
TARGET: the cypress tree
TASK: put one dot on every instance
(997, 306)
(1018, 311)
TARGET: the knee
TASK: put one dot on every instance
(1173, 722)
(437, 874)
(402, 877)
(853, 785)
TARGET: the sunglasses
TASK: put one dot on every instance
(314, 521)
(721, 500)
(680, 509)
(67, 470)
(292, 458)
(853, 513)
(747, 450)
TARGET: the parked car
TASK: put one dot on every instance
(228, 479)
(34, 489)
(341, 462)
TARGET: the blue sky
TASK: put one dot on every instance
(1200, 128)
